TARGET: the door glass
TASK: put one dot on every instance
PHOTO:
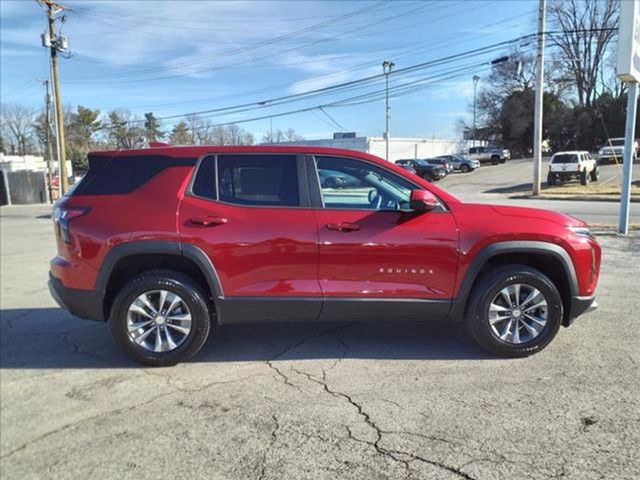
(264, 180)
(353, 184)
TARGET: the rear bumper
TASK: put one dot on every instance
(81, 303)
(580, 306)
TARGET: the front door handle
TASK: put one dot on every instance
(343, 226)
(208, 221)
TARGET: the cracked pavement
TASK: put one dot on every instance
(345, 400)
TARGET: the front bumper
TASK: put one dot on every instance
(580, 306)
(81, 303)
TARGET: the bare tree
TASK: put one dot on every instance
(125, 131)
(17, 123)
(279, 136)
(588, 27)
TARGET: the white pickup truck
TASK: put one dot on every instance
(575, 164)
(613, 150)
(493, 155)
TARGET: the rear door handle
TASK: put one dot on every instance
(343, 226)
(208, 221)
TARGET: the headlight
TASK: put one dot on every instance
(601, 151)
(584, 231)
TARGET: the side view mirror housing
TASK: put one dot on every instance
(423, 201)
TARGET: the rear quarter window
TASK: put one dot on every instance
(121, 175)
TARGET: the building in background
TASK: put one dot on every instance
(399, 147)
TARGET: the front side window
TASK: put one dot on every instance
(259, 180)
(352, 184)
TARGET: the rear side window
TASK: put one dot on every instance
(120, 175)
(204, 185)
(261, 180)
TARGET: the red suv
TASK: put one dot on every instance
(166, 242)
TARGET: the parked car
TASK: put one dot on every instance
(460, 163)
(492, 155)
(198, 236)
(564, 166)
(424, 169)
(407, 165)
(329, 179)
(441, 162)
(613, 150)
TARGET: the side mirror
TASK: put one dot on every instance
(423, 201)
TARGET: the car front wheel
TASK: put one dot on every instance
(161, 318)
(465, 168)
(514, 311)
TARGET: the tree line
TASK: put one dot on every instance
(24, 131)
(584, 102)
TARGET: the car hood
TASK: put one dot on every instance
(538, 214)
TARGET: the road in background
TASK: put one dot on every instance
(495, 183)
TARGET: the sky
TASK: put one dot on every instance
(177, 57)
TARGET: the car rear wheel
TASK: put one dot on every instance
(161, 318)
(514, 311)
(584, 177)
(495, 159)
(551, 179)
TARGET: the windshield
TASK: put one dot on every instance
(565, 158)
(616, 142)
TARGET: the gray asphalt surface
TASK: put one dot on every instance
(347, 401)
(489, 182)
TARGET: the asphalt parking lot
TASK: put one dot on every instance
(347, 400)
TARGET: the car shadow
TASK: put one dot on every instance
(50, 338)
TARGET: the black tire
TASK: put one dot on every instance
(175, 282)
(551, 179)
(595, 174)
(488, 286)
(495, 159)
(584, 177)
(465, 168)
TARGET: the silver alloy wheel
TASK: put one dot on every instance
(158, 321)
(518, 313)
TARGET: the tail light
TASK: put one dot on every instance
(62, 217)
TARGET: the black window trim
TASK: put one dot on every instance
(304, 201)
(316, 190)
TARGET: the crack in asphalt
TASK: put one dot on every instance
(395, 455)
(272, 442)
(284, 351)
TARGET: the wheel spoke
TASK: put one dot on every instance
(532, 295)
(158, 345)
(162, 301)
(174, 302)
(507, 296)
(139, 310)
(179, 328)
(185, 317)
(136, 325)
(505, 332)
(170, 341)
(145, 300)
(542, 303)
(516, 291)
(515, 336)
(540, 321)
(139, 339)
(532, 329)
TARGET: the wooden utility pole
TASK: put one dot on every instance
(539, 96)
(52, 9)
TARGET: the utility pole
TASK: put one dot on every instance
(386, 69)
(537, 120)
(56, 44)
(47, 120)
(476, 79)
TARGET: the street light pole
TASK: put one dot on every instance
(476, 79)
(386, 69)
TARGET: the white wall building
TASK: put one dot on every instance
(18, 163)
(399, 147)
